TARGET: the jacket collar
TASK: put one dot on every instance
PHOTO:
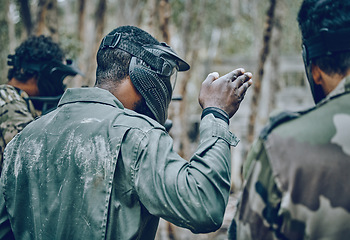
(95, 95)
(342, 88)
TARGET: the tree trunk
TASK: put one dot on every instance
(11, 28)
(40, 19)
(129, 12)
(178, 109)
(151, 15)
(4, 38)
(100, 21)
(83, 30)
(260, 71)
(164, 15)
(47, 19)
(189, 52)
(275, 56)
(81, 19)
(236, 7)
(26, 16)
(52, 19)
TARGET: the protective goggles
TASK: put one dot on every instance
(160, 58)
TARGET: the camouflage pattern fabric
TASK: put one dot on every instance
(297, 175)
(15, 114)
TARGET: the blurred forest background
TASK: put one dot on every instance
(261, 36)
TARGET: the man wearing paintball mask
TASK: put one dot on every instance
(297, 172)
(35, 85)
(102, 166)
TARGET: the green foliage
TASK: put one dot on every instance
(241, 28)
(211, 13)
(4, 50)
(237, 38)
(241, 24)
(291, 40)
(71, 45)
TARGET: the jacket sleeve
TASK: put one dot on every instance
(14, 116)
(5, 227)
(191, 194)
(257, 215)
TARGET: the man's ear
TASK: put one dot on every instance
(316, 74)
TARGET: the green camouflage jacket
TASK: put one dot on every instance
(297, 175)
(92, 169)
(15, 114)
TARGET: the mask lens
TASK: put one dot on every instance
(173, 78)
(174, 70)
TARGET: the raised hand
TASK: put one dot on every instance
(226, 92)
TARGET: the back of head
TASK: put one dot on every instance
(39, 57)
(43, 59)
(130, 51)
(36, 49)
(113, 63)
(333, 15)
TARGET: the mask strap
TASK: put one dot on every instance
(316, 90)
(327, 42)
(116, 41)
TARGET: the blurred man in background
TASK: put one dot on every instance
(297, 172)
(35, 85)
(102, 166)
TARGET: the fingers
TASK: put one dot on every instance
(243, 89)
(225, 92)
(211, 77)
(242, 83)
(242, 79)
(232, 76)
(239, 79)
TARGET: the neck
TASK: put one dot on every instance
(124, 90)
(30, 86)
(327, 82)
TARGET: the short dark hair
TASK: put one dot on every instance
(113, 63)
(334, 15)
(35, 49)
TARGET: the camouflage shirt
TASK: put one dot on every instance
(15, 114)
(297, 175)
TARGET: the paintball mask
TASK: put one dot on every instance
(152, 70)
(325, 43)
(50, 79)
